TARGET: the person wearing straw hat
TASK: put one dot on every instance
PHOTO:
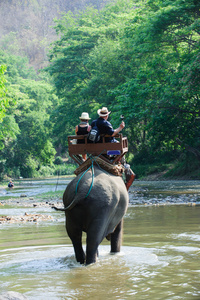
(104, 126)
(83, 128)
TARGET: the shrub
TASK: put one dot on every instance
(58, 160)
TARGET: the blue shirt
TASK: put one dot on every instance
(104, 127)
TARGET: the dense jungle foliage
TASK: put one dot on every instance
(138, 58)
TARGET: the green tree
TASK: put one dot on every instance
(3, 99)
(140, 59)
(163, 45)
(26, 127)
(84, 64)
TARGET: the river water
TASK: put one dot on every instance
(159, 258)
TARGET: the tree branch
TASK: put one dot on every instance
(179, 109)
(189, 148)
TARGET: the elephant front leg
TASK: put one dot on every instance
(116, 238)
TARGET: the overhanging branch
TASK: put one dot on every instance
(189, 148)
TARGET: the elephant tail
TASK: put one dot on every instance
(60, 209)
(70, 206)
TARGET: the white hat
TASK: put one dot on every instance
(84, 116)
(103, 112)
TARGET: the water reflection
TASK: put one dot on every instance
(113, 273)
(147, 273)
(159, 258)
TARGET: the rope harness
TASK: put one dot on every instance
(90, 167)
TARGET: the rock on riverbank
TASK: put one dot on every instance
(25, 218)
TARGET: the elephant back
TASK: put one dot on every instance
(101, 185)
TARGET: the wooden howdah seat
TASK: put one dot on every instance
(109, 152)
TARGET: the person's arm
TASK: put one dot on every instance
(76, 129)
(121, 126)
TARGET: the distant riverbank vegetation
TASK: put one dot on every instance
(138, 58)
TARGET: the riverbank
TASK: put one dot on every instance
(38, 218)
(164, 176)
(134, 199)
(146, 193)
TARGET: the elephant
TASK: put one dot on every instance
(95, 202)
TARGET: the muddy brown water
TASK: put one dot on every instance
(159, 258)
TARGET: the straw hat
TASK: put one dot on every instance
(103, 112)
(84, 116)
